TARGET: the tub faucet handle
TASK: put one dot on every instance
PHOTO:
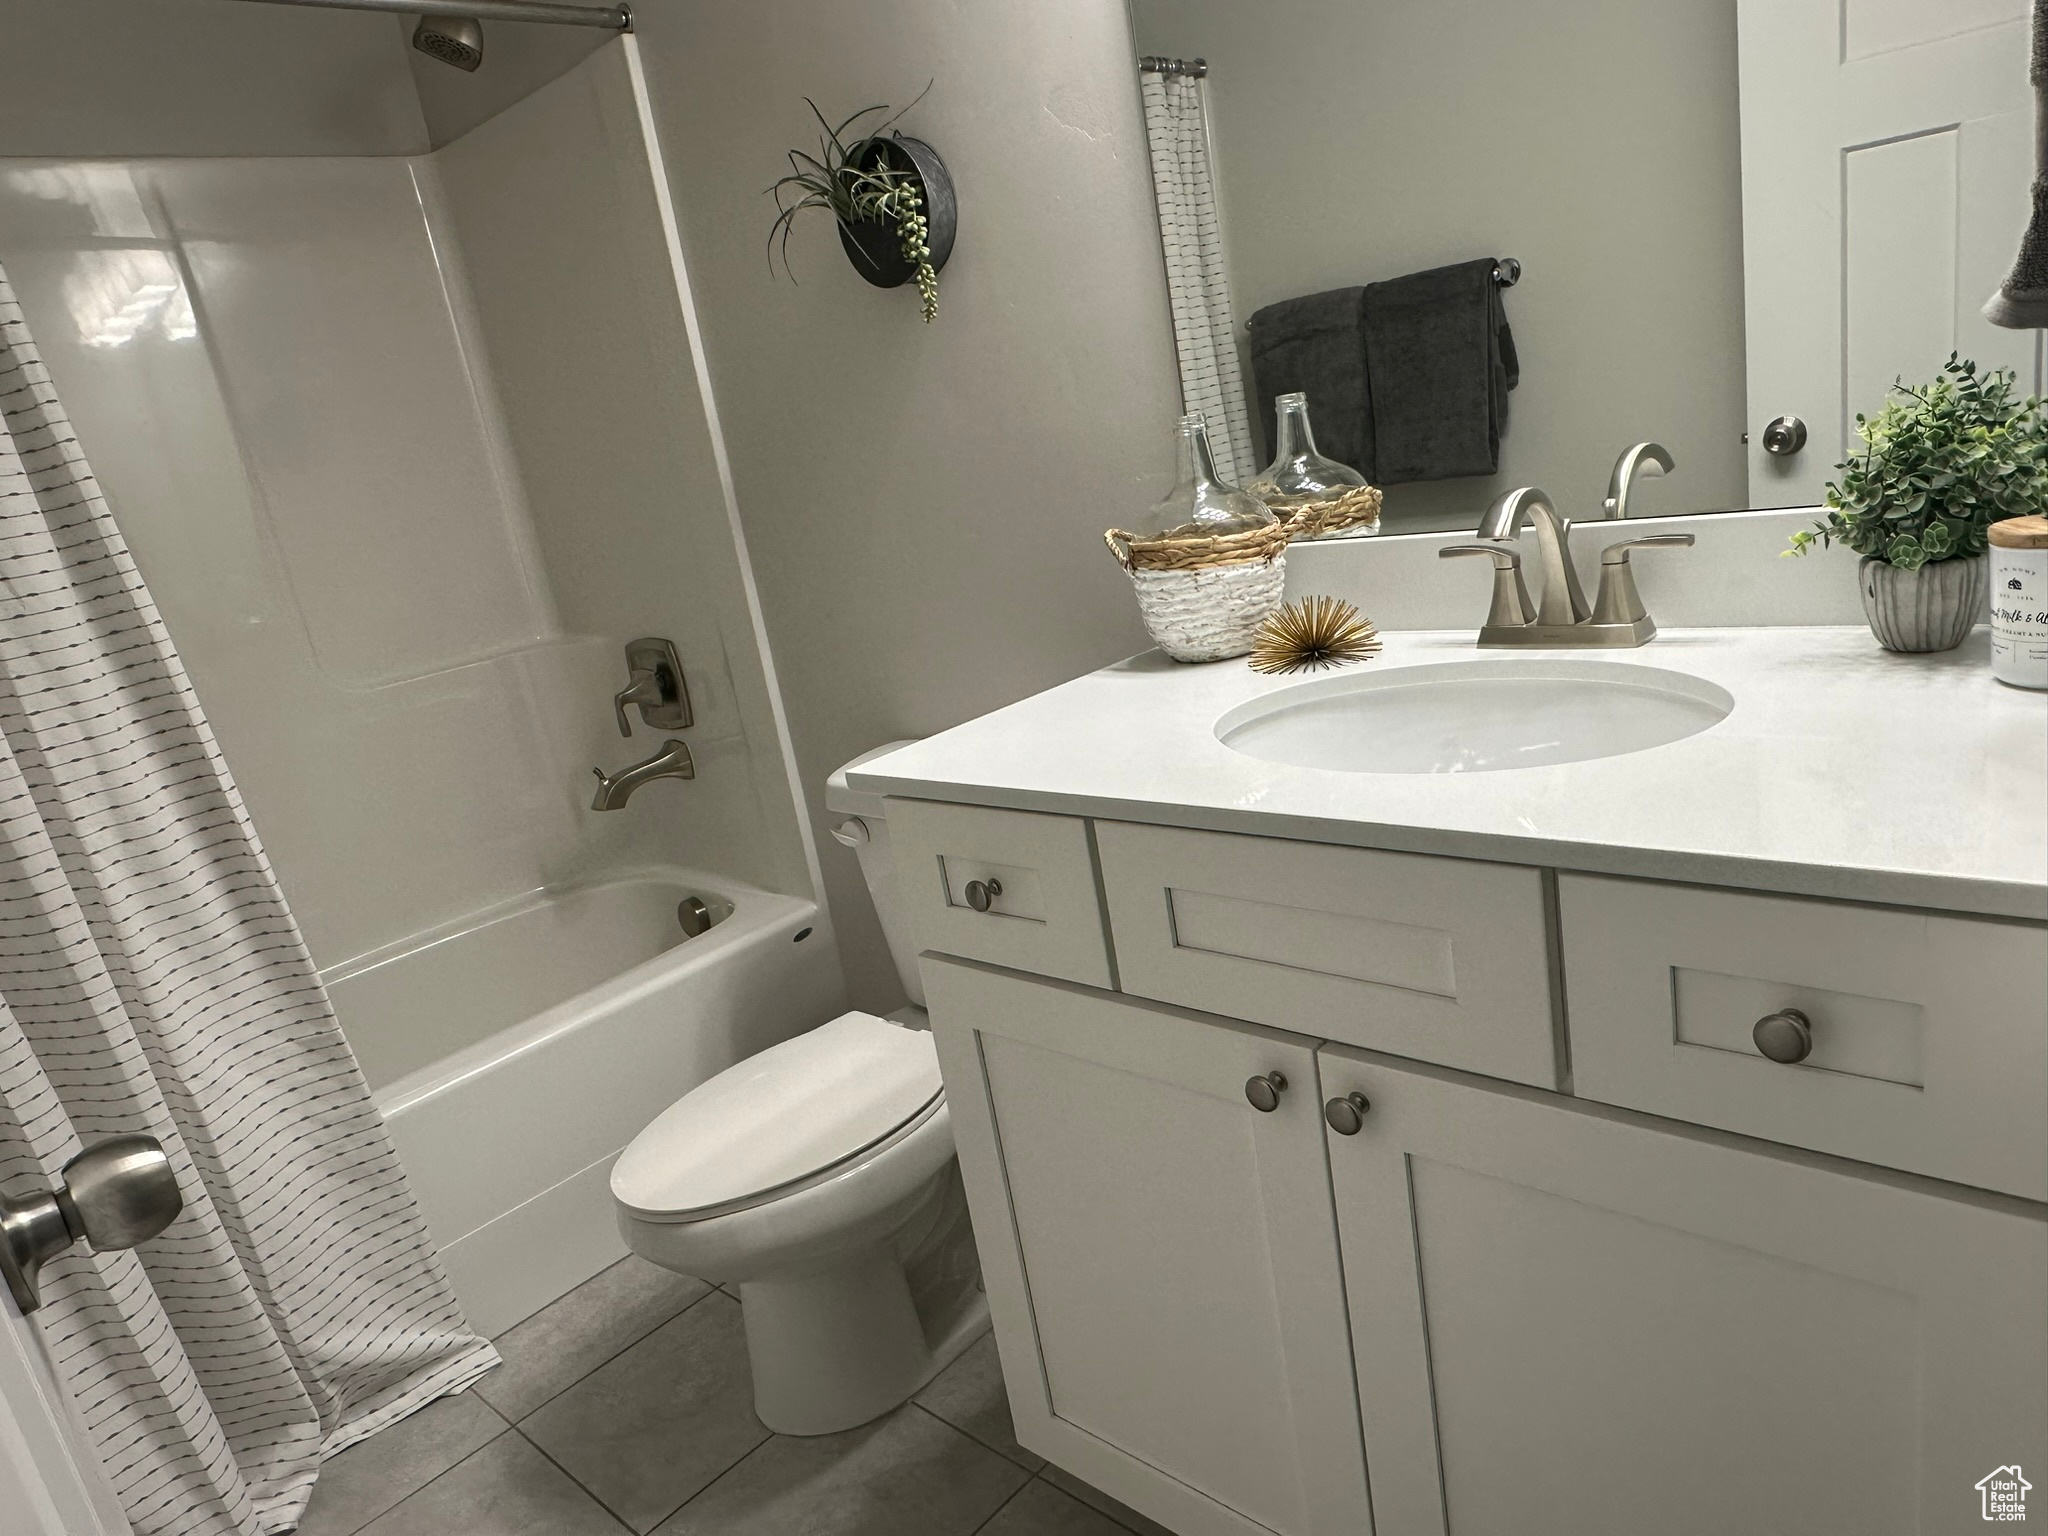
(656, 689)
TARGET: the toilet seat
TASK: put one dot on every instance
(784, 1120)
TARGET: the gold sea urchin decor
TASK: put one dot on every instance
(1313, 633)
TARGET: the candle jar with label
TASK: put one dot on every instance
(2019, 601)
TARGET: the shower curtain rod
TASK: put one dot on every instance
(616, 18)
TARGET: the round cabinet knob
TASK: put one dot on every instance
(1785, 1036)
(1263, 1093)
(1785, 436)
(982, 894)
(122, 1192)
(1347, 1115)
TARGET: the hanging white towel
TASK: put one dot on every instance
(1197, 281)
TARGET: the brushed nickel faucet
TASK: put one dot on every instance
(1643, 460)
(1560, 618)
(615, 789)
(1562, 603)
(656, 688)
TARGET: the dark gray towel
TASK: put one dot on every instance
(2021, 303)
(1316, 345)
(1441, 360)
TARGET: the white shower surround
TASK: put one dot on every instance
(408, 653)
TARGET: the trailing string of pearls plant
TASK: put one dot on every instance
(913, 226)
(890, 195)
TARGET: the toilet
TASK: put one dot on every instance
(818, 1180)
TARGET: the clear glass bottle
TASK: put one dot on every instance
(1299, 475)
(1200, 505)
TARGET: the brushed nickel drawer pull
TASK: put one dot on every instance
(1347, 1115)
(982, 894)
(1263, 1093)
(1785, 1036)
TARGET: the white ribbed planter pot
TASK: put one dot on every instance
(1213, 613)
(1931, 609)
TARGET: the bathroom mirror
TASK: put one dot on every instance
(1725, 212)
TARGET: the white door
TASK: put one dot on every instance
(1574, 1326)
(1887, 156)
(51, 1483)
(1160, 1256)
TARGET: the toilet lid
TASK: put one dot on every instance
(779, 1118)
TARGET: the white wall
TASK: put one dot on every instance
(1596, 140)
(118, 79)
(924, 506)
(554, 215)
(295, 446)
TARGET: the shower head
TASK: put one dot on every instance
(457, 40)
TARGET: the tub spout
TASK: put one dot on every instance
(615, 789)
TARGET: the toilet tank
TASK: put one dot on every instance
(859, 824)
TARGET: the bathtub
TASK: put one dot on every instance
(515, 1053)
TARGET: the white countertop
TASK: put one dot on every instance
(1844, 771)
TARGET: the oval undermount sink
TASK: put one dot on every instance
(1474, 716)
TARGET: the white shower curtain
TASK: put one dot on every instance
(152, 980)
(1204, 329)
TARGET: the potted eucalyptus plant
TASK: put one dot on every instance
(1940, 464)
(890, 194)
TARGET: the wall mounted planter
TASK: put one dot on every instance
(874, 247)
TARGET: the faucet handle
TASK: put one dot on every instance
(1511, 606)
(644, 690)
(657, 687)
(1619, 602)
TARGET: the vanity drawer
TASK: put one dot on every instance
(1047, 918)
(1444, 960)
(1929, 1035)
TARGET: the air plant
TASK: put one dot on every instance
(856, 180)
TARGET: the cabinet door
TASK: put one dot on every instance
(1566, 1323)
(1160, 1256)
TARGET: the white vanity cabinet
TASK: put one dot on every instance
(1160, 1256)
(1697, 1291)
(1568, 1323)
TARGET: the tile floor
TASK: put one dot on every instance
(626, 1406)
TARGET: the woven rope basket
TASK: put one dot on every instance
(1136, 554)
(1204, 599)
(1318, 519)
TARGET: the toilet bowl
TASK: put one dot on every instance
(818, 1180)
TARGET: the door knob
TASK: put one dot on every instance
(982, 894)
(1785, 1036)
(115, 1194)
(1346, 1116)
(1785, 436)
(1263, 1093)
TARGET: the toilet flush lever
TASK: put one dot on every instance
(657, 688)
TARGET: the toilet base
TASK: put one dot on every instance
(838, 1347)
